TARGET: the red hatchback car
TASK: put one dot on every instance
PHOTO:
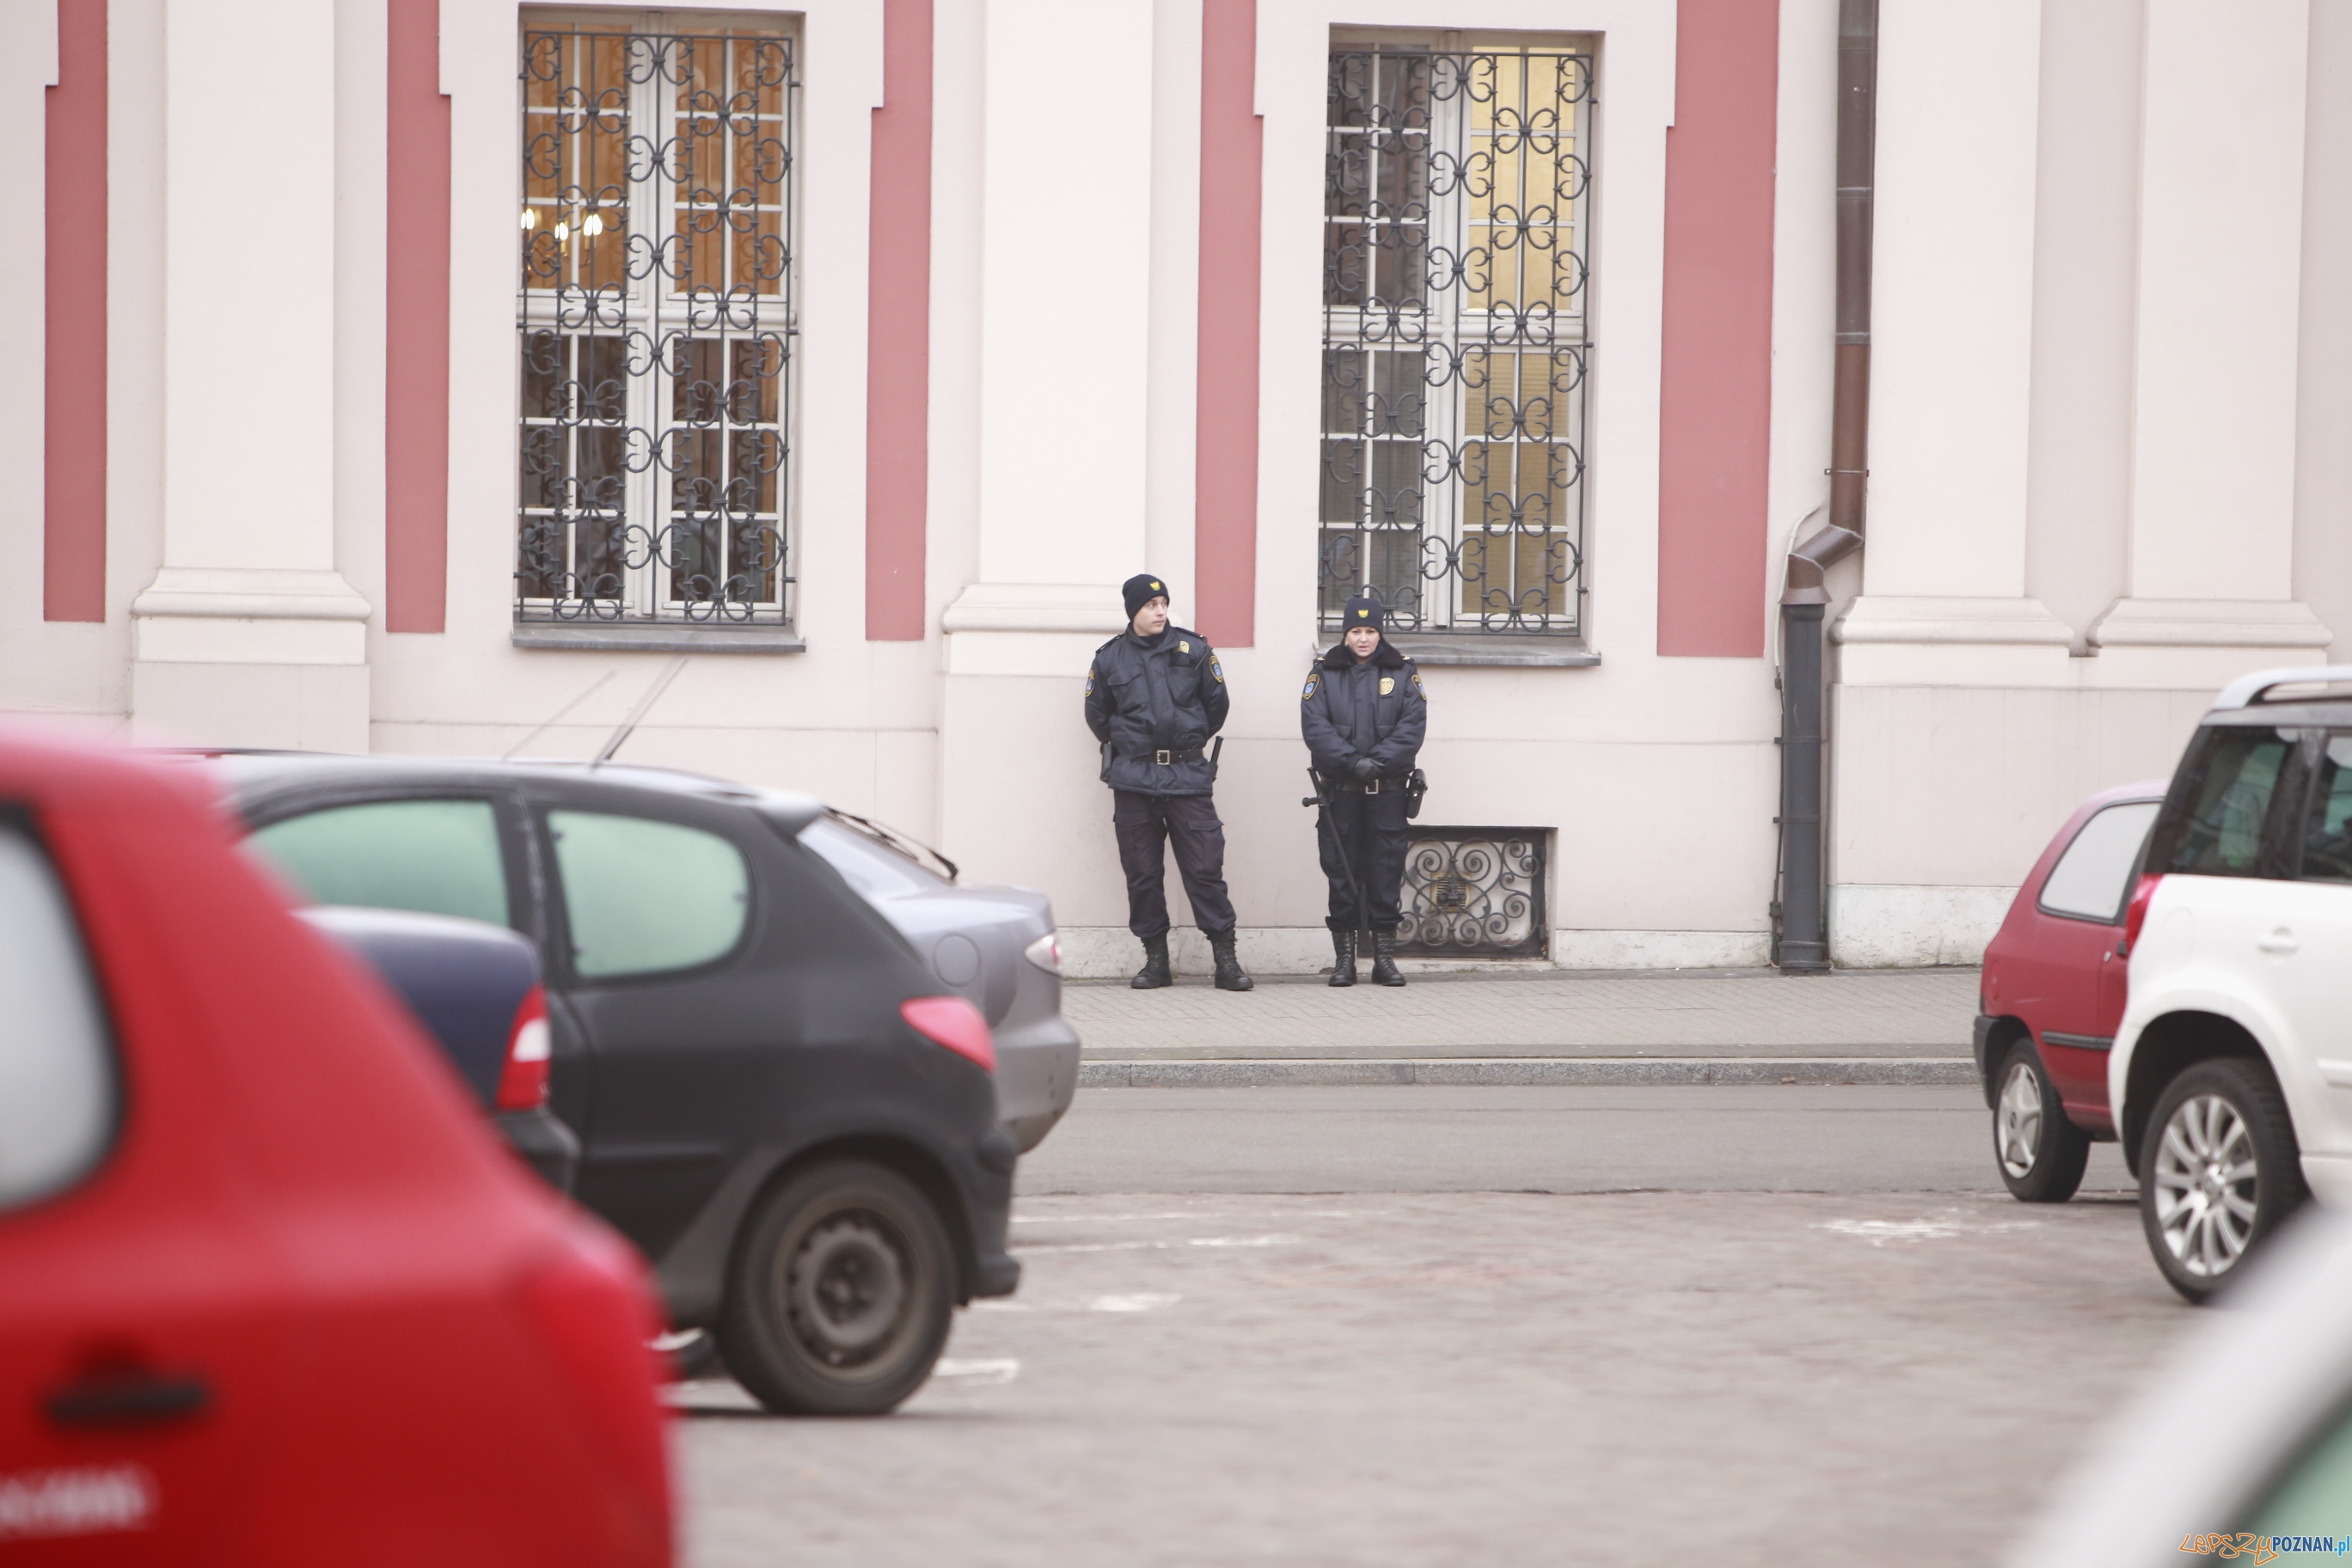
(270, 1290)
(2052, 993)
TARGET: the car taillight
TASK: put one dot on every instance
(522, 1084)
(2135, 914)
(593, 1309)
(1045, 952)
(952, 1022)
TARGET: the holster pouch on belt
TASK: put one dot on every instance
(1217, 750)
(1416, 784)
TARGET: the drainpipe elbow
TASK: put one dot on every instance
(1810, 562)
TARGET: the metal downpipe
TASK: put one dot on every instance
(1801, 912)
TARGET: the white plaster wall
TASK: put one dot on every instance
(2323, 478)
(2087, 251)
(361, 133)
(1171, 397)
(1952, 299)
(1946, 794)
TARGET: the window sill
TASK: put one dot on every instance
(589, 636)
(1524, 652)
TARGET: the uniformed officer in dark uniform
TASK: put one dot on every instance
(1154, 696)
(1363, 714)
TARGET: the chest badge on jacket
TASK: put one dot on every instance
(1387, 684)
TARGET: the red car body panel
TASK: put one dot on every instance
(2061, 976)
(404, 1349)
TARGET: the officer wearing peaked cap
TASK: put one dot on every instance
(1155, 696)
(1363, 714)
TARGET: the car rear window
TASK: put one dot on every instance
(2327, 836)
(642, 896)
(873, 869)
(2220, 832)
(436, 857)
(56, 1072)
(2092, 877)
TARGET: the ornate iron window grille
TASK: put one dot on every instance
(655, 326)
(1475, 892)
(1456, 358)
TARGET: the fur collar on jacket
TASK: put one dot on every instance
(1384, 657)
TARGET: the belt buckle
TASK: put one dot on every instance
(1371, 786)
(1160, 757)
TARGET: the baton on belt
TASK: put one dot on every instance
(1324, 823)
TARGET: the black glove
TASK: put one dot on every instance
(1363, 770)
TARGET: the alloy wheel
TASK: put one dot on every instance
(2208, 1185)
(2019, 1118)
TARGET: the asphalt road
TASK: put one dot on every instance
(1416, 1139)
(1421, 1328)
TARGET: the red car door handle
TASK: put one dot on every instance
(118, 1401)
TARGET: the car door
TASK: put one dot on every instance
(2081, 903)
(144, 1316)
(652, 912)
(2305, 947)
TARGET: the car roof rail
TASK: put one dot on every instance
(2249, 689)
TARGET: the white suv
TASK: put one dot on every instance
(2231, 1072)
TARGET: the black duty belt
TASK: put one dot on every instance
(1370, 786)
(1165, 757)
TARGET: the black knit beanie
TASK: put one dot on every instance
(1139, 590)
(1361, 611)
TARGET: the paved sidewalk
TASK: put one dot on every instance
(1713, 1026)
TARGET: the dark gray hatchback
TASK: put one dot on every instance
(773, 1101)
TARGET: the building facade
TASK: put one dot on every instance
(400, 375)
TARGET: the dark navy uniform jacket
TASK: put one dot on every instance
(1370, 708)
(1150, 695)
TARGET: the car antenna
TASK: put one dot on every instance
(545, 725)
(653, 695)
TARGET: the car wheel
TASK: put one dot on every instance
(2220, 1172)
(2040, 1153)
(840, 1295)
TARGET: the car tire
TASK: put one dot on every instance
(2040, 1153)
(840, 1294)
(2202, 1203)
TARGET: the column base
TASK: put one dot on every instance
(1029, 628)
(1892, 640)
(258, 657)
(2202, 643)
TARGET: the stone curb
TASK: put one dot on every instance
(1590, 1071)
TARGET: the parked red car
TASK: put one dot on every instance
(270, 1290)
(2052, 993)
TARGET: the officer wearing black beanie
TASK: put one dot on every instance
(1155, 696)
(1363, 714)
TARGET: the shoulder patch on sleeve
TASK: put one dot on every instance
(1090, 680)
(1310, 690)
(1417, 686)
(1216, 669)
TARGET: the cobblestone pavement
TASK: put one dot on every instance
(1894, 1013)
(1481, 1379)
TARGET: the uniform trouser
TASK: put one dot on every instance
(1372, 829)
(1146, 825)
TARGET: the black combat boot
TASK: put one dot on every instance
(1343, 957)
(1230, 974)
(1154, 972)
(1384, 969)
